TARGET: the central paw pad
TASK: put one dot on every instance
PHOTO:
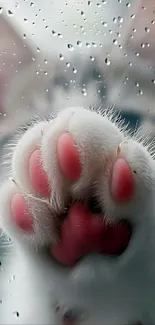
(83, 232)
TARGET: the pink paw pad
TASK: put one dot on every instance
(20, 213)
(83, 232)
(68, 157)
(37, 176)
(122, 183)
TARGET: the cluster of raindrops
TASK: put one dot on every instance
(122, 28)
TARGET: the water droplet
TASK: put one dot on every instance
(153, 81)
(1, 301)
(89, 3)
(38, 49)
(45, 73)
(79, 43)
(137, 53)
(140, 92)
(137, 84)
(142, 45)
(128, 5)
(107, 61)
(54, 33)
(84, 92)
(60, 35)
(147, 30)
(134, 30)
(10, 13)
(132, 16)
(16, 313)
(1, 10)
(68, 64)
(88, 45)
(92, 58)
(104, 23)
(45, 61)
(61, 56)
(115, 20)
(120, 19)
(153, 22)
(115, 41)
(74, 70)
(70, 47)
(94, 44)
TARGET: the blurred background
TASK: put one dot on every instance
(57, 53)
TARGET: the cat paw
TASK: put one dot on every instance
(73, 179)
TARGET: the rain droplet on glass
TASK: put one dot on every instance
(147, 30)
(104, 23)
(79, 43)
(54, 33)
(84, 92)
(115, 41)
(10, 13)
(70, 47)
(115, 20)
(107, 61)
(142, 45)
(61, 56)
(120, 19)
(92, 58)
(133, 16)
(128, 5)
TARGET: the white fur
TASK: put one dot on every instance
(98, 289)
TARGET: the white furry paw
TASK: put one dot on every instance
(74, 180)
